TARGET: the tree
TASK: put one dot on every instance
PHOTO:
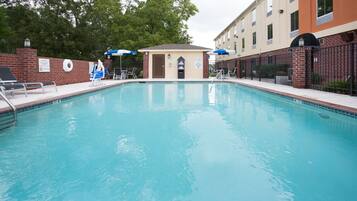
(85, 29)
(4, 30)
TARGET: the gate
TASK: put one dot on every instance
(333, 69)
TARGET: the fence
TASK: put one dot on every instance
(275, 68)
(333, 69)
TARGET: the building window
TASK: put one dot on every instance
(270, 31)
(294, 17)
(254, 38)
(235, 47)
(243, 44)
(228, 35)
(324, 7)
(269, 7)
(324, 11)
(243, 24)
(254, 17)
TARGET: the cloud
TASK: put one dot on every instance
(213, 17)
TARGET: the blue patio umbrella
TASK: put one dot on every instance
(221, 52)
(120, 53)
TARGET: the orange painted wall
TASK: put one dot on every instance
(344, 11)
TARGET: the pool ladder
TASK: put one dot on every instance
(7, 119)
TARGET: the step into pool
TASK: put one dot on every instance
(180, 141)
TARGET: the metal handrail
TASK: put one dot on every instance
(12, 106)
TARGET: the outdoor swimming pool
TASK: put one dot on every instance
(180, 141)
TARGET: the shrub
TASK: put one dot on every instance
(212, 74)
(271, 70)
(338, 86)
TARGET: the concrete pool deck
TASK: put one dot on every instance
(337, 101)
(36, 97)
(332, 100)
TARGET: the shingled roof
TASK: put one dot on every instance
(177, 47)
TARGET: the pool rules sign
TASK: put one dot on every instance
(43, 65)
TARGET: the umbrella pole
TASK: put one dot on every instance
(114, 75)
(120, 65)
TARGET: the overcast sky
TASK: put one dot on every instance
(212, 18)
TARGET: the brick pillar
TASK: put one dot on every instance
(146, 65)
(27, 60)
(205, 65)
(238, 69)
(299, 67)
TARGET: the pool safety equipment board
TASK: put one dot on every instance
(44, 65)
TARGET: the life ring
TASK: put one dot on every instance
(67, 65)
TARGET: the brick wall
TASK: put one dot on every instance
(10, 60)
(338, 39)
(80, 72)
(24, 65)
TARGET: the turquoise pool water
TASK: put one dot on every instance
(171, 142)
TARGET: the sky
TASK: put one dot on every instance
(212, 18)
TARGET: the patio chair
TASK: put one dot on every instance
(6, 77)
(232, 73)
(132, 73)
(220, 74)
(123, 74)
(11, 88)
(116, 74)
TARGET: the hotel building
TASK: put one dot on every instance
(267, 27)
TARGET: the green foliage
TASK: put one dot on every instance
(316, 79)
(5, 31)
(85, 29)
(339, 86)
(272, 70)
(212, 74)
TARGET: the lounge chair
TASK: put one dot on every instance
(11, 88)
(132, 73)
(6, 78)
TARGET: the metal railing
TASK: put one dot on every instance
(6, 120)
(275, 68)
(334, 69)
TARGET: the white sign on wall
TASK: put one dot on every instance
(198, 63)
(44, 65)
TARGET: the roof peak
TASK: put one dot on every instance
(176, 46)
